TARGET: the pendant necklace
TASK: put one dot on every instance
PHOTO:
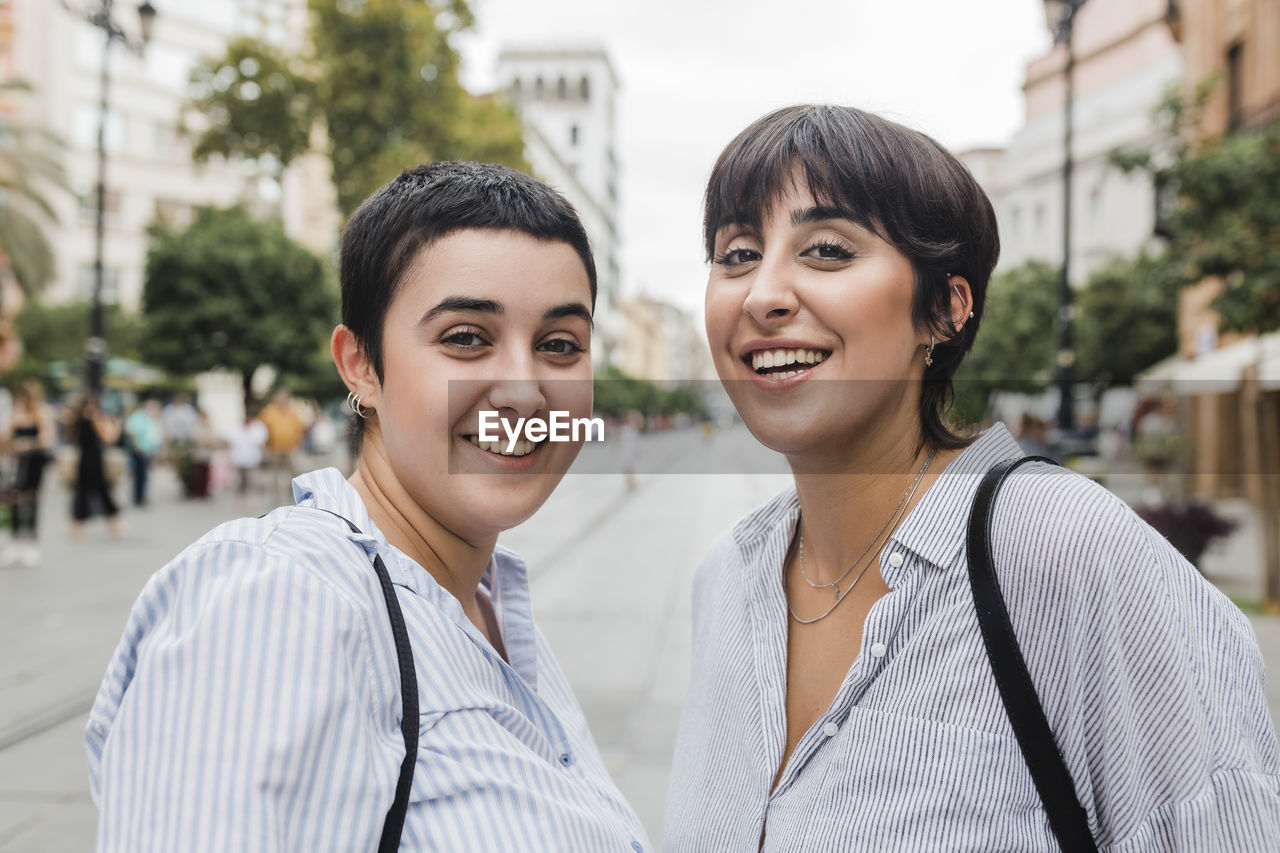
(889, 525)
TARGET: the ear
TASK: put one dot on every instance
(961, 300)
(353, 366)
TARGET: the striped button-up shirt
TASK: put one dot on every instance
(1151, 680)
(254, 704)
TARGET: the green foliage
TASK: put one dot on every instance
(1127, 319)
(1015, 347)
(1225, 220)
(384, 79)
(234, 292)
(56, 334)
(258, 104)
(617, 393)
(29, 166)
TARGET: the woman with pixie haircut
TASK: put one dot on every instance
(361, 671)
(877, 664)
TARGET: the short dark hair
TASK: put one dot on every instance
(426, 204)
(894, 181)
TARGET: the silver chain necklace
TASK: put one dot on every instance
(893, 520)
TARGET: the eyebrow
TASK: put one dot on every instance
(462, 303)
(820, 213)
(570, 309)
(489, 306)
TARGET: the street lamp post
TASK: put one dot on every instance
(100, 17)
(1060, 16)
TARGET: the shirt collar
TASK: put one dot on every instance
(934, 529)
(506, 577)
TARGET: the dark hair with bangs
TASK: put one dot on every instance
(893, 181)
(426, 204)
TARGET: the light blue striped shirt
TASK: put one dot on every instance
(253, 704)
(1151, 680)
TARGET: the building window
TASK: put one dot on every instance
(89, 206)
(85, 130)
(1235, 87)
(515, 89)
(573, 134)
(562, 90)
(1039, 218)
(88, 277)
(1015, 219)
(584, 89)
(539, 89)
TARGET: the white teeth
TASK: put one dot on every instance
(521, 448)
(761, 359)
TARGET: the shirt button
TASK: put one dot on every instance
(635, 845)
(878, 650)
(830, 729)
(895, 559)
(566, 759)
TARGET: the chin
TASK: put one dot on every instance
(488, 504)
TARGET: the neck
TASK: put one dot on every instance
(852, 501)
(454, 561)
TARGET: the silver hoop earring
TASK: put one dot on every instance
(928, 353)
(353, 403)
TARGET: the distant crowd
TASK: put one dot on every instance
(92, 450)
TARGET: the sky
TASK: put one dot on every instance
(693, 73)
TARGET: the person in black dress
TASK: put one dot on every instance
(92, 430)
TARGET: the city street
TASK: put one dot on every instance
(610, 568)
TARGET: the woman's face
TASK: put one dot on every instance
(809, 323)
(484, 320)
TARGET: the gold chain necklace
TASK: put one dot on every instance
(889, 526)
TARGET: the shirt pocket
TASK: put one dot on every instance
(895, 782)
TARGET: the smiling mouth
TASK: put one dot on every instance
(784, 363)
(499, 448)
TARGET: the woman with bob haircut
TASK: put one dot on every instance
(842, 694)
(361, 671)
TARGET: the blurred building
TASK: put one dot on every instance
(566, 97)
(1125, 60)
(150, 176)
(1230, 383)
(660, 341)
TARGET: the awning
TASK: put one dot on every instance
(1216, 372)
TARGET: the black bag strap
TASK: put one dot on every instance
(394, 825)
(1067, 817)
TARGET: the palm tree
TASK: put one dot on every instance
(28, 167)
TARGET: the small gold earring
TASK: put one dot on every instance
(928, 353)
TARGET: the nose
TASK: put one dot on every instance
(520, 398)
(772, 298)
(516, 390)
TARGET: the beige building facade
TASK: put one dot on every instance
(150, 176)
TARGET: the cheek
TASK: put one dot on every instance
(721, 309)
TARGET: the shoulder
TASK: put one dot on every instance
(290, 552)
(1067, 548)
(746, 538)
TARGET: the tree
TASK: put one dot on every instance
(54, 334)
(259, 104)
(1015, 348)
(28, 167)
(384, 80)
(234, 292)
(1223, 219)
(1126, 319)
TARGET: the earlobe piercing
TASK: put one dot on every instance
(354, 404)
(928, 353)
